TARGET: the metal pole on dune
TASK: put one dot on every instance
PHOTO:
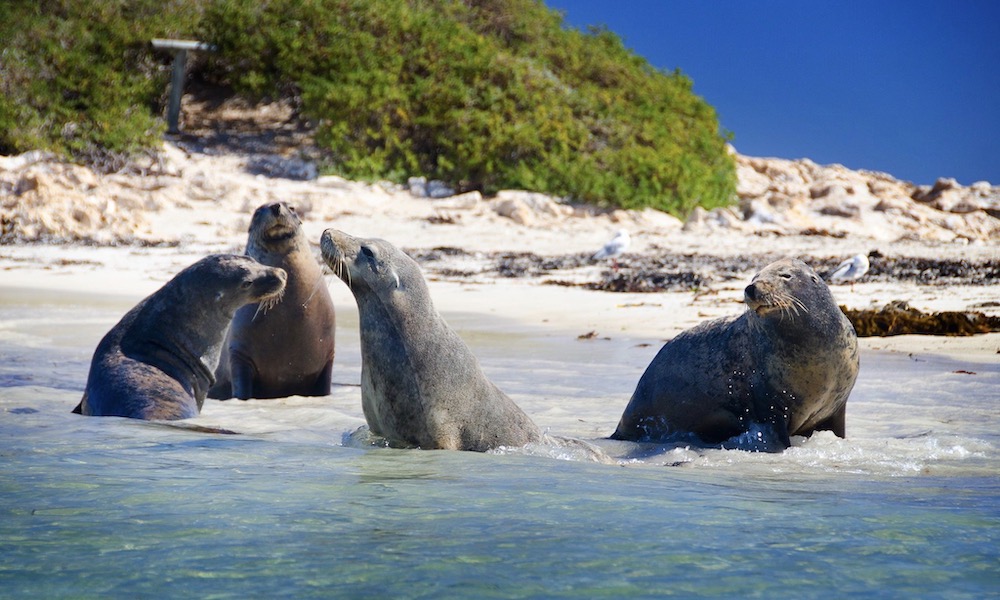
(176, 89)
(180, 49)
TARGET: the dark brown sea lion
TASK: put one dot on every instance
(157, 362)
(784, 367)
(420, 384)
(287, 350)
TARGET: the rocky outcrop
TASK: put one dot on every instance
(801, 197)
(947, 195)
(44, 199)
(528, 208)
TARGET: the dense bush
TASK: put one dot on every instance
(485, 94)
(79, 77)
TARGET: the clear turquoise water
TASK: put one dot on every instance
(907, 506)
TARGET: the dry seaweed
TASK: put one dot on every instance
(899, 318)
(665, 271)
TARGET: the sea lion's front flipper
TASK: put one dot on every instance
(837, 423)
(760, 437)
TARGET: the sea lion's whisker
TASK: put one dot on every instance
(799, 304)
(785, 309)
(790, 307)
(778, 304)
(789, 304)
(343, 265)
(319, 282)
(277, 298)
(267, 304)
(260, 306)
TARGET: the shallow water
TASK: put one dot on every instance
(908, 505)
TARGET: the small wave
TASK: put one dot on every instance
(562, 448)
(894, 457)
(362, 438)
(822, 453)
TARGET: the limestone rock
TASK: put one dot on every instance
(659, 219)
(515, 210)
(539, 203)
(417, 186)
(270, 165)
(795, 196)
(466, 201)
(715, 219)
(59, 202)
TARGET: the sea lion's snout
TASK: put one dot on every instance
(334, 247)
(337, 245)
(271, 283)
(328, 248)
(279, 233)
(754, 297)
(266, 211)
(273, 224)
(757, 296)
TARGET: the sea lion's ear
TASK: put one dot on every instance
(396, 276)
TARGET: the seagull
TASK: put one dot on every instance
(613, 249)
(851, 269)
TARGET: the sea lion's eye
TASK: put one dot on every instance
(367, 252)
(786, 275)
(246, 285)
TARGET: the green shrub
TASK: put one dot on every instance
(79, 76)
(485, 94)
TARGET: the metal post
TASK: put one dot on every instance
(180, 49)
(176, 91)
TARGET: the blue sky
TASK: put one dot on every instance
(909, 87)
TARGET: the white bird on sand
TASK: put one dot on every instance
(615, 247)
(851, 269)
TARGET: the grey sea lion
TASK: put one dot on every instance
(158, 361)
(784, 367)
(420, 383)
(287, 350)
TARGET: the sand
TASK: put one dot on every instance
(144, 227)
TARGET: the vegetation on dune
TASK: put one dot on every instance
(484, 94)
(78, 76)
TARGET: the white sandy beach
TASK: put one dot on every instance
(195, 204)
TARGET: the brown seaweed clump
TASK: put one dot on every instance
(899, 318)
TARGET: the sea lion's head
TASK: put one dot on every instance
(371, 264)
(229, 281)
(785, 288)
(274, 227)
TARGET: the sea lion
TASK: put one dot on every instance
(157, 362)
(784, 367)
(287, 350)
(420, 384)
